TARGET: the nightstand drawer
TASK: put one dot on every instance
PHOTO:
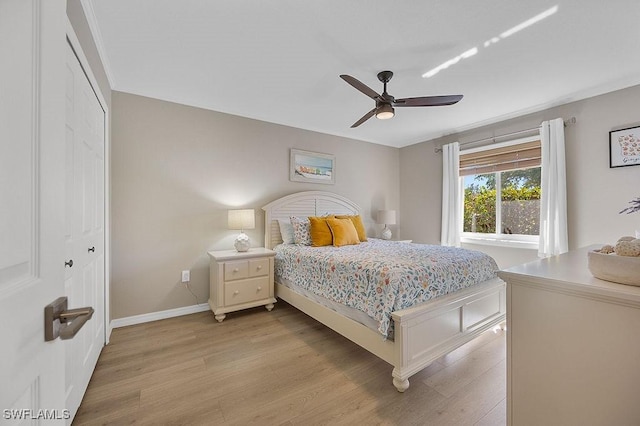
(259, 267)
(236, 270)
(236, 292)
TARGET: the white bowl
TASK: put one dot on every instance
(611, 267)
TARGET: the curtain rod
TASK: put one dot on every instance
(568, 122)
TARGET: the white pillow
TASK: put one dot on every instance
(286, 231)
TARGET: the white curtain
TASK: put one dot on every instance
(553, 202)
(451, 195)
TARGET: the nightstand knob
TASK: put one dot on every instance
(259, 267)
(236, 292)
(236, 270)
(259, 288)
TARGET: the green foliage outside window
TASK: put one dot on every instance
(520, 201)
(480, 207)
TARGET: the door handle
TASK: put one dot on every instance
(69, 263)
(91, 249)
(62, 322)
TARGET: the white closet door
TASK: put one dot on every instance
(84, 227)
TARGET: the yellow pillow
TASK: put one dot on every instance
(343, 231)
(357, 222)
(320, 232)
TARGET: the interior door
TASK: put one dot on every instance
(84, 226)
(32, 148)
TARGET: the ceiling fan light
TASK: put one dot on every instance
(385, 112)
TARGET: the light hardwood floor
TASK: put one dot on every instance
(282, 368)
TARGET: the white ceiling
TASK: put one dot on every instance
(280, 60)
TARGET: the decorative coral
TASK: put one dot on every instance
(607, 249)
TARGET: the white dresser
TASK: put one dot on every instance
(573, 345)
(240, 280)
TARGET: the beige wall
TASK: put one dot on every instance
(177, 169)
(595, 193)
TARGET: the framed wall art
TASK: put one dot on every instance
(624, 147)
(312, 167)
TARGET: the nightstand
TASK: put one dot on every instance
(240, 280)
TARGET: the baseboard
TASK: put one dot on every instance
(155, 316)
(107, 338)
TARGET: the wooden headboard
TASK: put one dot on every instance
(307, 203)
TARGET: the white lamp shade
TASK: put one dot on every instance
(242, 219)
(386, 217)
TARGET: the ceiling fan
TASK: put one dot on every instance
(386, 102)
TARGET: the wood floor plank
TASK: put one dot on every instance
(497, 415)
(472, 346)
(286, 402)
(466, 369)
(101, 410)
(281, 368)
(471, 403)
(107, 389)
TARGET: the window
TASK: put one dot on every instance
(502, 193)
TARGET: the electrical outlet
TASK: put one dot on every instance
(186, 276)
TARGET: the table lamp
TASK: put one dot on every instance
(242, 219)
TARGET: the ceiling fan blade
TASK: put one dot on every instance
(364, 118)
(360, 86)
(427, 101)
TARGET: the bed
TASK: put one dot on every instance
(416, 335)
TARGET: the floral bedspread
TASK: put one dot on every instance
(379, 277)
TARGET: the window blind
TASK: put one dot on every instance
(518, 156)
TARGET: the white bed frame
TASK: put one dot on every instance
(424, 332)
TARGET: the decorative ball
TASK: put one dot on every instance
(628, 247)
(626, 239)
(386, 234)
(242, 242)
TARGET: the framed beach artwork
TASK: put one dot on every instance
(624, 147)
(312, 167)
